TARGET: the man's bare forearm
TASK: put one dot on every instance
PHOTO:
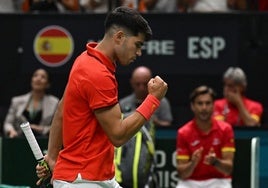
(225, 166)
(55, 136)
(185, 170)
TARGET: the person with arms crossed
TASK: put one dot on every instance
(235, 108)
(37, 107)
(205, 147)
(139, 80)
(88, 123)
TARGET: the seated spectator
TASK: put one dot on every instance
(39, 6)
(36, 107)
(243, 5)
(159, 6)
(139, 79)
(203, 6)
(8, 6)
(68, 5)
(149, 6)
(205, 146)
(94, 6)
(235, 108)
(51, 5)
(134, 4)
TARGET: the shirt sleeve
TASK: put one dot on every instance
(256, 111)
(217, 111)
(181, 147)
(229, 141)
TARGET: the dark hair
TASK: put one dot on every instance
(47, 73)
(201, 90)
(130, 19)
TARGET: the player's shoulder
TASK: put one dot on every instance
(187, 128)
(223, 125)
(253, 102)
(22, 97)
(87, 62)
(52, 98)
(164, 100)
(88, 68)
(220, 101)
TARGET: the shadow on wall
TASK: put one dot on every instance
(181, 115)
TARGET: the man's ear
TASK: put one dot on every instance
(192, 106)
(119, 36)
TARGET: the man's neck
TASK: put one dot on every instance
(204, 126)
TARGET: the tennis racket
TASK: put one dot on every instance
(34, 146)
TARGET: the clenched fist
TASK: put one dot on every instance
(157, 87)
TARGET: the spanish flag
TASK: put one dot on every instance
(53, 45)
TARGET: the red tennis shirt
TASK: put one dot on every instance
(225, 111)
(86, 148)
(190, 138)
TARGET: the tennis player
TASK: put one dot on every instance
(87, 124)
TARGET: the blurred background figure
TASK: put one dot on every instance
(243, 5)
(135, 160)
(10, 6)
(130, 3)
(96, 6)
(235, 108)
(54, 6)
(205, 147)
(158, 6)
(155, 6)
(68, 6)
(263, 5)
(204, 5)
(139, 79)
(37, 107)
(39, 6)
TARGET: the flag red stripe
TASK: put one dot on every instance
(53, 58)
(54, 33)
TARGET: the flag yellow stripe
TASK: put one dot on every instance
(53, 45)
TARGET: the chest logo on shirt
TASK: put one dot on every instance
(195, 143)
(216, 142)
(226, 110)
